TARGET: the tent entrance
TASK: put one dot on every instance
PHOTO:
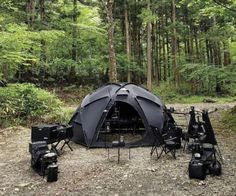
(122, 119)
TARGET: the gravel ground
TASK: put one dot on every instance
(89, 172)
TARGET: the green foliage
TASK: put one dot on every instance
(73, 94)
(15, 43)
(147, 15)
(229, 119)
(60, 116)
(26, 102)
(167, 92)
(42, 53)
(204, 77)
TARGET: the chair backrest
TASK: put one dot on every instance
(157, 133)
(64, 132)
(192, 122)
(210, 135)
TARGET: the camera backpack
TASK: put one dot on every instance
(197, 169)
(215, 168)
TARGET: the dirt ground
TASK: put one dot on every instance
(89, 172)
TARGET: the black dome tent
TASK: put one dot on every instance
(117, 108)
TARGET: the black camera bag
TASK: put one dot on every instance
(197, 169)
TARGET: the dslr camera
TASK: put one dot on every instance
(44, 161)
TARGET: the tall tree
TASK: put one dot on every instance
(174, 45)
(128, 42)
(30, 12)
(108, 4)
(149, 51)
(74, 31)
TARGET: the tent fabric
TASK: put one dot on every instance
(91, 114)
(210, 135)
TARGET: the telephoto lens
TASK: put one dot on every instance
(52, 172)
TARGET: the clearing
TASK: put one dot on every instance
(89, 172)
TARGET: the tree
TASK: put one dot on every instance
(149, 52)
(108, 5)
(174, 46)
(128, 43)
(187, 44)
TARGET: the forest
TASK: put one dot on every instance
(188, 45)
(118, 80)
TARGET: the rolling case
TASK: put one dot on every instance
(197, 170)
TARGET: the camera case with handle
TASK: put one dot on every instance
(197, 169)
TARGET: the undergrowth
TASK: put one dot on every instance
(73, 94)
(25, 104)
(169, 94)
(229, 119)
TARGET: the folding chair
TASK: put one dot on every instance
(191, 128)
(65, 134)
(167, 144)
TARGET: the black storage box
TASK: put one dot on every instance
(37, 146)
(197, 169)
(52, 172)
(43, 132)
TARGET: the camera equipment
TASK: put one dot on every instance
(44, 133)
(64, 133)
(215, 168)
(195, 147)
(52, 134)
(204, 160)
(171, 129)
(197, 169)
(43, 161)
(52, 172)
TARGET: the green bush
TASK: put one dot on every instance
(229, 119)
(74, 94)
(167, 93)
(25, 102)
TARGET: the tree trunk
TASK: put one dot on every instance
(167, 46)
(74, 32)
(149, 53)
(196, 43)
(174, 46)
(157, 57)
(128, 43)
(155, 52)
(112, 56)
(227, 59)
(164, 49)
(30, 12)
(160, 52)
(43, 57)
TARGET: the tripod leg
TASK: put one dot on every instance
(129, 153)
(219, 154)
(63, 146)
(173, 153)
(54, 149)
(69, 146)
(161, 152)
(153, 149)
(156, 152)
(118, 155)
